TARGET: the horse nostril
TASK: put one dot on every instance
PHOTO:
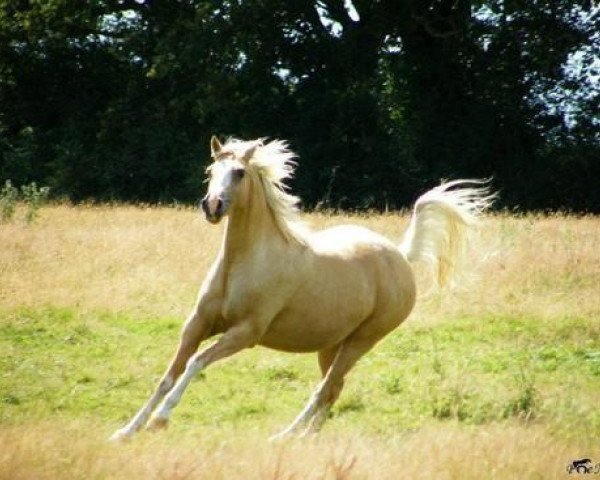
(219, 205)
(204, 205)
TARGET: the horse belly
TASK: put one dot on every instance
(322, 316)
(294, 332)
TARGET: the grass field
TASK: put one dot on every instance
(499, 378)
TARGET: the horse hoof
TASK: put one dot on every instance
(281, 437)
(157, 423)
(121, 435)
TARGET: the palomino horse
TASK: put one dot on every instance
(274, 283)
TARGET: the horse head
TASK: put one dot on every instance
(227, 177)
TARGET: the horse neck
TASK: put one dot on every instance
(250, 225)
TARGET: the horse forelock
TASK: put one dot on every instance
(274, 163)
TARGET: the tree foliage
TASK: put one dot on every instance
(116, 99)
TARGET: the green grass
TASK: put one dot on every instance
(66, 365)
(505, 368)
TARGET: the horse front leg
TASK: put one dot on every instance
(196, 328)
(239, 337)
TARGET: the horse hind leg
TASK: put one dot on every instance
(326, 358)
(315, 412)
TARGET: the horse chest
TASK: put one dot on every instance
(253, 295)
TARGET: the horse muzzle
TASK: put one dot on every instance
(213, 208)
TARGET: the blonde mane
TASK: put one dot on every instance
(274, 164)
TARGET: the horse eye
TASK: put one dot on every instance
(239, 173)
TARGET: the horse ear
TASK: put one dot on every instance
(215, 146)
(248, 154)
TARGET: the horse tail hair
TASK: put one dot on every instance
(442, 223)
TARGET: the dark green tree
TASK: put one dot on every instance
(118, 98)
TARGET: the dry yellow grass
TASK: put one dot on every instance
(151, 261)
(147, 262)
(48, 451)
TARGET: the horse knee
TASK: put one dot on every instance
(166, 384)
(192, 333)
(193, 361)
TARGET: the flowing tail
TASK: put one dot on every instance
(441, 225)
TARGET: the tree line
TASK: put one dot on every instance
(117, 99)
